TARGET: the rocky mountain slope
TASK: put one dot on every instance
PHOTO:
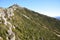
(20, 23)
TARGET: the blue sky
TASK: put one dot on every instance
(46, 7)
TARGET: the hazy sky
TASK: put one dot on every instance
(47, 7)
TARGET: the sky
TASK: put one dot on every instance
(47, 7)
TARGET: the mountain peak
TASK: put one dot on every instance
(15, 5)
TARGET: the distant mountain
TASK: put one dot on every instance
(20, 23)
(58, 17)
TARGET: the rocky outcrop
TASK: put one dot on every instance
(9, 13)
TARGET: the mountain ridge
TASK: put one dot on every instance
(20, 23)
